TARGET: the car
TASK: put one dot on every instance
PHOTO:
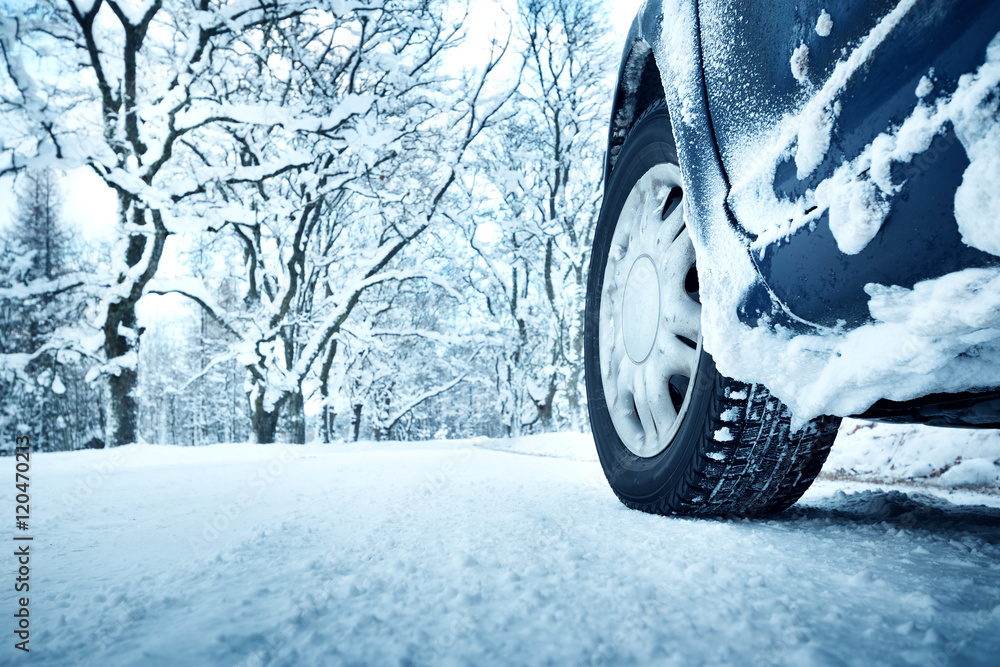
(801, 222)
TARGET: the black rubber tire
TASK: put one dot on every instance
(765, 467)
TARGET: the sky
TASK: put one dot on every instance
(90, 204)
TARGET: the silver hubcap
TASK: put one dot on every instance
(650, 327)
(641, 308)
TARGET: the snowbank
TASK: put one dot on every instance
(941, 457)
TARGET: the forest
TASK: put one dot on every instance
(336, 220)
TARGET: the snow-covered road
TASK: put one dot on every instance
(460, 554)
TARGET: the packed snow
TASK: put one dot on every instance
(925, 86)
(824, 24)
(723, 435)
(941, 336)
(484, 552)
(800, 63)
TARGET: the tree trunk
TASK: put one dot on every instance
(121, 410)
(264, 425)
(382, 425)
(329, 416)
(121, 332)
(356, 420)
(297, 417)
(545, 412)
(263, 422)
(573, 402)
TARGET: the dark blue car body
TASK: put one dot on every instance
(805, 282)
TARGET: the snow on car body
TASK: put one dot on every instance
(840, 168)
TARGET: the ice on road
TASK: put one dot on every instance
(482, 553)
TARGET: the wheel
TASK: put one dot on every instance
(674, 436)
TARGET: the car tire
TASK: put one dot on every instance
(673, 435)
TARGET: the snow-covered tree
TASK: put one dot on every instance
(323, 232)
(42, 386)
(156, 98)
(412, 348)
(546, 166)
(37, 226)
(325, 154)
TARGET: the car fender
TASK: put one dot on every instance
(660, 33)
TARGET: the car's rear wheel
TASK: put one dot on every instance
(672, 433)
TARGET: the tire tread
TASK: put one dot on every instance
(767, 465)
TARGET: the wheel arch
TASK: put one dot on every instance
(661, 60)
(639, 85)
